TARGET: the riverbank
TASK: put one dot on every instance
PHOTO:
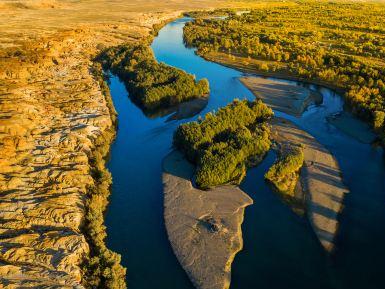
(254, 67)
(190, 108)
(204, 227)
(321, 181)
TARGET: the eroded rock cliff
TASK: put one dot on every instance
(56, 125)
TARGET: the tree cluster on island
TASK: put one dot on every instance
(151, 85)
(284, 173)
(339, 44)
(223, 144)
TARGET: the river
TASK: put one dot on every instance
(280, 249)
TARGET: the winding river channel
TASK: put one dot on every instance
(280, 249)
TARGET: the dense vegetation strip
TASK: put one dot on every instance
(152, 85)
(338, 44)
(224, 143)
(102, 269)
(284, 173)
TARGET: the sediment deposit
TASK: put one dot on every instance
(204, 227)
(286, 97)
(320, 179)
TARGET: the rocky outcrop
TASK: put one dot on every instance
(204, 227)
(320, 179)
(53, 110)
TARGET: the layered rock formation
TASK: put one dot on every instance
(204, 227)
(52, 112)
(54, 118)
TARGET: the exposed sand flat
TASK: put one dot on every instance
(285, 97)
(204, 227)
(320, 178)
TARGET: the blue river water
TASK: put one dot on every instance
(280, 249)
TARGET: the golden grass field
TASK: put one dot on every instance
(32, 19)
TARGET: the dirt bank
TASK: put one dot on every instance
(320, 179)
(253, 66)
(204, 227)
(190, 108)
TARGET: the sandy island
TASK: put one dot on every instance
(204, 227)
(285, 97)
(320, 179)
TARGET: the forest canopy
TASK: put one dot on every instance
(337, 44)
(151, 84)
(225, 143)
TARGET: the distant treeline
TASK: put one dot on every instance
(341, 44)
(210, 13)
(224, 143)
(151, 85)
